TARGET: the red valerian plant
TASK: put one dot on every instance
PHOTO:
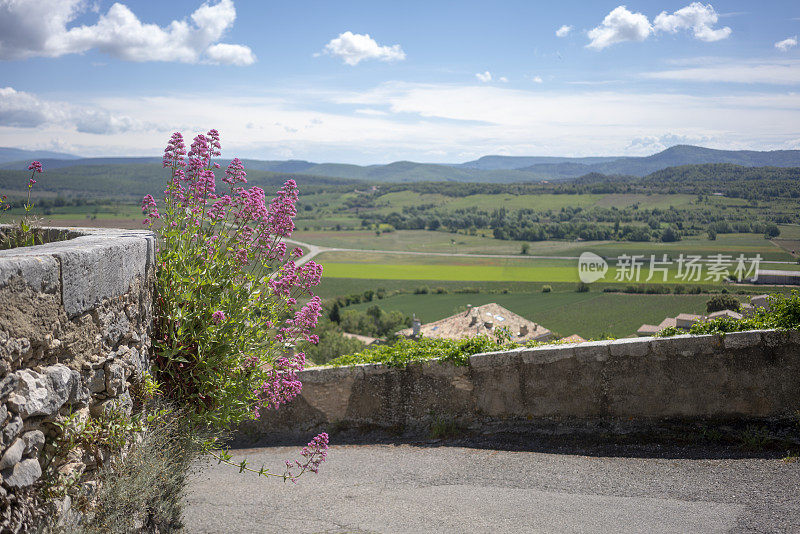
(25, 235)
(227, 291)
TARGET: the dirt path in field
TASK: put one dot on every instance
(314, 250)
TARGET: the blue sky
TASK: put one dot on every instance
(374, 82)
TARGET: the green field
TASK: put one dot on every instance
(590, 315)
(421, 267)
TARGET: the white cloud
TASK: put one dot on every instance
(696, 17)
(656, 143)
(776, 72)
(19, 109)
(230, 54)
(503, 79)
(537, 79)
(619, 26)
(371, 111)
(450, 122)
(355, 47)
(563, 31)
(484, 77)
(786, 44)
(34, 28)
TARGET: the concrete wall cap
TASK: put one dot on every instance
(742, 340)
(494, 359)
(548, 354)
(95, 264)
(636, 347)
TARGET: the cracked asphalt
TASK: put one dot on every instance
(471, 486)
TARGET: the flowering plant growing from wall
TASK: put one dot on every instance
(227, 292)
(24, 235)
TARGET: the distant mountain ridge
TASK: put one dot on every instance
(8, 154)
(488, 169)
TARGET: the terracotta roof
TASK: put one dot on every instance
(482, 320)
(725, 313)
(364, 339)
(666, 323)
(648, 329)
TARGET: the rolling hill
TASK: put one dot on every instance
(488, 169)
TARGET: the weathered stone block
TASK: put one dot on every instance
(11, 429)
(97, 380)
(684, 345)
(592, 351)
(40, 271)
(103, 267)
(34, 395)
(494, 359)
(115, 378)
(741, 340)
(634, 347)
(7, 385)
(12, 454)
(34, 440)
(547, 354)
(23, 474)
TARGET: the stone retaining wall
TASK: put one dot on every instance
(75, 319)
(741, 375)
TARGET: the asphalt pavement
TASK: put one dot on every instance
(461, 487)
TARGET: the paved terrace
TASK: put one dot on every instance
(495, 485)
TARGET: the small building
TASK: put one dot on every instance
(486, 319)
(760, 301)
(650, 330)
(686, 320)
(777, 278)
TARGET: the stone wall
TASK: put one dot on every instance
(75, 319)
(741, 375)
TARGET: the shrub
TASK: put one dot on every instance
(723, 302)
(784, 313)
(547, 288)
(407, 351)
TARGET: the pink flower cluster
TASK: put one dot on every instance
(304, 320)
(281, 384)
(150, 209)
(313, 454)
(35, 167)
(218, 316)
(291, 277)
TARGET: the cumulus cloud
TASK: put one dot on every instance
(619, 26)
(786, 44)
(563, 31)
(537, 79)
(19, 109)
(354, 48)
(696, 17)
(622, 25)
(503, 79)
(36, 28)
(484, 77)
